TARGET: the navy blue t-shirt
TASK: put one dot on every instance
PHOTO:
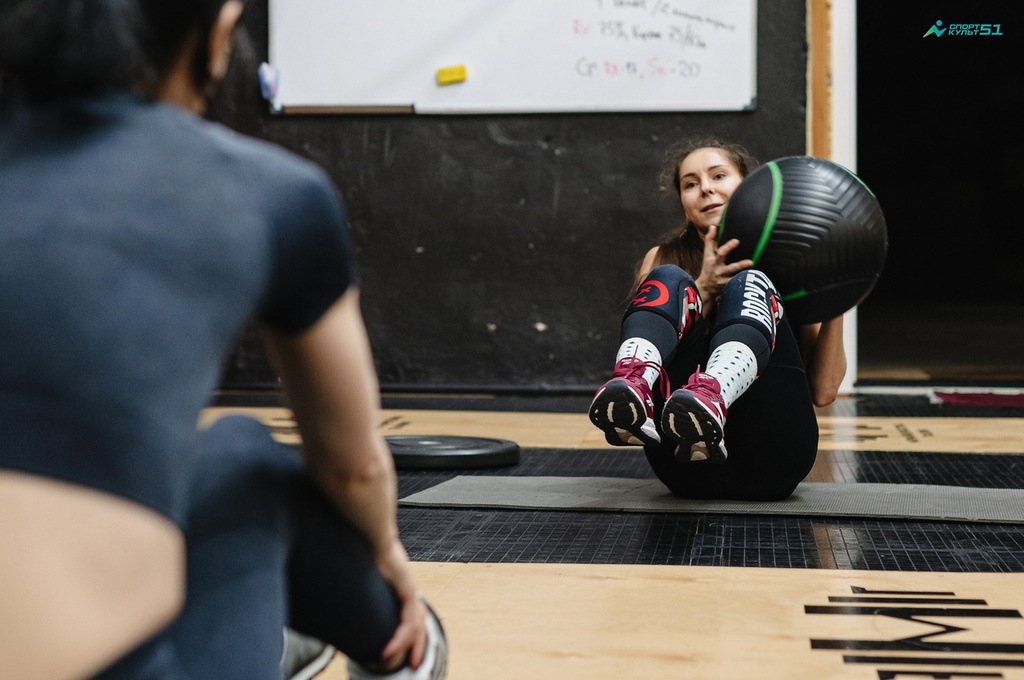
(136, 240)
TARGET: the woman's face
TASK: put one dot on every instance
(707, 179)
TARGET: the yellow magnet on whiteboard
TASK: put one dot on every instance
(451, 74)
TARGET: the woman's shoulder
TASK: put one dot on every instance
(650, 257)
(276, 177)
(261, 156)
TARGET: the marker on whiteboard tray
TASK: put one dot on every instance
(269, 79)
(449, 75)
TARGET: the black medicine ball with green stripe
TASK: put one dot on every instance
(814, 228)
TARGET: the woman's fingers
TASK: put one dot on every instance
(736, 267)
(410, 639)
(715, 256)
(727, 247)
(710, 242)
(411, 635)
(731, 268)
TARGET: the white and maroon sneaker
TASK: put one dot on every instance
(624, 406)
(694, 417)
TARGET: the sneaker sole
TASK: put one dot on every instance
(440, 669)
(316, 666)
(616, 409)
(689, 424)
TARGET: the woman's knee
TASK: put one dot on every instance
(752, 283)
(242, 476)
(238, 444)
(670, 292)
(750, 299)
(670, 272)
(235, 433)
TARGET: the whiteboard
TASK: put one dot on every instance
(518, 56)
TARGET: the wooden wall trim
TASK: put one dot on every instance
(819, 78)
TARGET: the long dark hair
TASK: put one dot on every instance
(683, 246)
(55, 49)
(169, 24)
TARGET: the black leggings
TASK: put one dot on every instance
(771, 431)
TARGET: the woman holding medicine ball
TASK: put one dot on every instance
(708, 357)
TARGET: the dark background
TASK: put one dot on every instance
(496, 250)
(941, 143)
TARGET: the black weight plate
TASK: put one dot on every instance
(444, 452)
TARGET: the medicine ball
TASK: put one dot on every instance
(814, 228)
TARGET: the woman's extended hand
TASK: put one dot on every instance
(410, 638)
(825, 359)
(715, 273)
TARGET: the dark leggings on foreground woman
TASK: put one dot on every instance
(771, 430)
(266, 550)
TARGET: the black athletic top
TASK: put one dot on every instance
(135, 242)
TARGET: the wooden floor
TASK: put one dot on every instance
(574, 430)
(613, 621)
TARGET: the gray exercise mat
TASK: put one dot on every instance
(611, 494)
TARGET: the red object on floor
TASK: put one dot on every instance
(986, 399)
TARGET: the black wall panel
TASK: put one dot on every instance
(496, 251)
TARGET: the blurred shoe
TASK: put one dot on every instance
(304, 657)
